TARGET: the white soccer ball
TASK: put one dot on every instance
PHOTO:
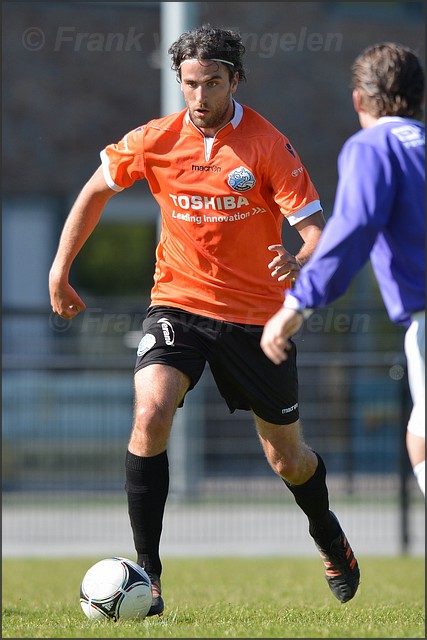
(116, 588)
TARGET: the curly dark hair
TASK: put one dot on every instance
(207, 43)
(390, 79)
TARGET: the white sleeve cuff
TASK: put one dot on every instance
(305, 212)
(105, 170)
(291, 302)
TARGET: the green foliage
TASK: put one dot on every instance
(118, 260)
(224, 598)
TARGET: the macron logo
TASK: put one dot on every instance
(289, 409)
(203, 167)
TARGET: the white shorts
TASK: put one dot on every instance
(415, 350)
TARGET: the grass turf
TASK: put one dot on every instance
(282, 597)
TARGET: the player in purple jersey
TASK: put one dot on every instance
(379, 214)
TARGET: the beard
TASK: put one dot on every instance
(214, 118)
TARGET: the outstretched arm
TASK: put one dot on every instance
(81, 221)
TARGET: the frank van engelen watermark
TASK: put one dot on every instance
(100, 322)
(265, 45)
(68, 38)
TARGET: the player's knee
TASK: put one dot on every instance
(152, 418)
(286, 467)
(296, 467)
(150, 432)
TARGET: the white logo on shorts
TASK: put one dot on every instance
(168, 331)
(289, 409)
(147, 342)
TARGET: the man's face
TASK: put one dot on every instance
(208, 94)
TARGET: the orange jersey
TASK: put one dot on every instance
(222, 202)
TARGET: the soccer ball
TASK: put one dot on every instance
(115, 588)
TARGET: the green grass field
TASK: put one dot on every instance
(224, 598)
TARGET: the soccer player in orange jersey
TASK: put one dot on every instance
(225, 179)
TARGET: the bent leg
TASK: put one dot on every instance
(159, 389)
(303, 472)
(287, 453)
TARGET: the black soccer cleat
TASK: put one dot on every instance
(341, 568)
(157, 606)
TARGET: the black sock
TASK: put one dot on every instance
(147, 486)
(312, 498)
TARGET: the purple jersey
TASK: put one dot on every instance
(379, 213)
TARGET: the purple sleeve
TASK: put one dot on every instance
(362, 206)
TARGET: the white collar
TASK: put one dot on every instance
(400, 119)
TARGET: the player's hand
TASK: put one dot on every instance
(284, 266)
(64, 300)
(277, 331)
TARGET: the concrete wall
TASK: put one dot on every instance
(77, 76)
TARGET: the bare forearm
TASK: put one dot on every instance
(311, 235)
(286, 266)
(81, 221)
(307, 249)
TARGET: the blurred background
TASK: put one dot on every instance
(76, 77)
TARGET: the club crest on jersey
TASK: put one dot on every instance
(241, 179)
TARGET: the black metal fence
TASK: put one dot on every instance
(67, 413)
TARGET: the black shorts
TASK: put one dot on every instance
(245, 377)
